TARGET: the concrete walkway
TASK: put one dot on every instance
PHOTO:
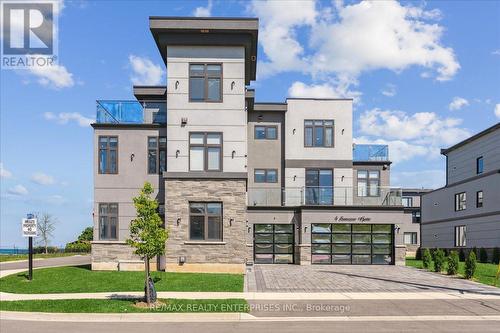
(75, 260)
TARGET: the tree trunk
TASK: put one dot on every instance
(146, 263)
(46, 247)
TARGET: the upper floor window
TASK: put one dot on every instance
(205, 82)
(157, 154)
(108, 221)
(416, 216)
(460, 201)
(368, 183)
(205, 151)
(319, 187)
(266, 133)
(407, 201)
(318, 133)
(460, 237)
(265, 175)
(479, 165)
(205, 221)
(479, 199)
(108, 154)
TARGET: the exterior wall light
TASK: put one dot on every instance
(184, 121)
(178, 221)
(293, 131)
(176, 84)
(233, 153)
(177, 152)
(294, 177)
(182, 260)
(132, 157)
(232, 85)
(231, 220)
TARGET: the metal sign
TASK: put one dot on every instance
(30, 228)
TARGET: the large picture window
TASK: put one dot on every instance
(318, 133)
(157, 154)
(205, 151)
(368, 183)
(205, 221)
(460, 236)
(205, 82)
(319, 187)
(108, 154)
(460, 201)
(108, 221)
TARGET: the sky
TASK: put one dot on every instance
(423, 75)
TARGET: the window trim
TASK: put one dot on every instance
(108, 149)
(479, 159)
(109, 224)
(367, 181)
(457, 201)
(266, 127)
(265, 175)
(457, 235)
(158, 150)
(479, 204)
(313, 126)
(205, 221)
(205, 78)
(205, 151)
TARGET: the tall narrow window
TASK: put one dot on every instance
(460, 236)
(319, 187)
(205, 221)
(479, 165)
(407, 201)
(460, 201)
(479, 199)
(108, 154)
(157, 154)
(108, 221)
(205, 82)
(205, 151)
(368, 183)
(318, 133)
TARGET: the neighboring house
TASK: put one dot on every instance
(238, 181)
(466, 212)
(411, 202)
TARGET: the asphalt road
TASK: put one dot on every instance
(60, 261)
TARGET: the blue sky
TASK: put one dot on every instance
(423, 75)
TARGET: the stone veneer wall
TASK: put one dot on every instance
(110, 255)
(232, 194)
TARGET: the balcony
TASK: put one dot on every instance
(366, 153)
(322, 196)
(131, 112)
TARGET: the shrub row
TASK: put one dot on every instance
(482, 254)
(78, 246)
(439, 257)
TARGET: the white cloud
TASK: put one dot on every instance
(332, 89)
(399, 150)
(55, 76)
(497, 110)
(203, 11)
(457, 103)
(18, 190)
(496, 52)
(145, 72)
(389, 90)
(419, 179)
(65, 117)
(42, 178)
(4, 173)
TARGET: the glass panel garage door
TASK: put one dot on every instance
(273, 243)
(358, 244)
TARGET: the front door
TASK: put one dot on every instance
(273, 243)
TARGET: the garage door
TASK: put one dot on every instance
(360, 244)
(273, 243)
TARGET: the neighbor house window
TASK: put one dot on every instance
(460, 201)
(479, 165)
(416, 215)
(266, 133)
(205, 151)
(407, 201)
(265, 175)
(368, 183)
(318, 133)
(460, 237)
(108, 154)
(205, 221)
(108, 221)
(479, 199)
(410, 238)
(157, 154)
(205, 82)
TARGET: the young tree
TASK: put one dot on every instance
(147, 235)
(87, 235)
(46, 227)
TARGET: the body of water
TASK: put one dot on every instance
(13, 251)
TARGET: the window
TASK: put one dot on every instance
(479, 165)
(460, 237)
(108, 154)
(410, 238)
(205, 82)
(319, 187)
(205, 151)
(460, 201)
(479, 199)
(205, 221)
(157, 154)
(108, 221)
(265, 175)
(416, 216)
(266, 133)
(368, 183)
(318, 133)
(407, 201)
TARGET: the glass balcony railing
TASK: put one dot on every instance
(362, 152)
(324, 196)
(131, 112)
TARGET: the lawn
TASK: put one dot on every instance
(124, 306)
(80, 279)
(485, 273)
(16, 257)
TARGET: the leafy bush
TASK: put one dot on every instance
(87, 235)
(50, 249)
(439, 259)
(427, 259)
(483, 255)
(470, 265)
(461, 255)
(496, 255)
(452, 268)
(78, 247)
(418, 254)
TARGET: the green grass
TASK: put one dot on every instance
(16, 257)
(124, 306)
(485, 273)
(80, 279)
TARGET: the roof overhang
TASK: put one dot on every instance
(208, 31)
(150, 92)
(472, 138)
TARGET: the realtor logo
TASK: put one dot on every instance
(28, 33)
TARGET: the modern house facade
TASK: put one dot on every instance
(466, 212)
(239, 181)
(411, 200)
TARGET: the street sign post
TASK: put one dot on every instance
(30, 230)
